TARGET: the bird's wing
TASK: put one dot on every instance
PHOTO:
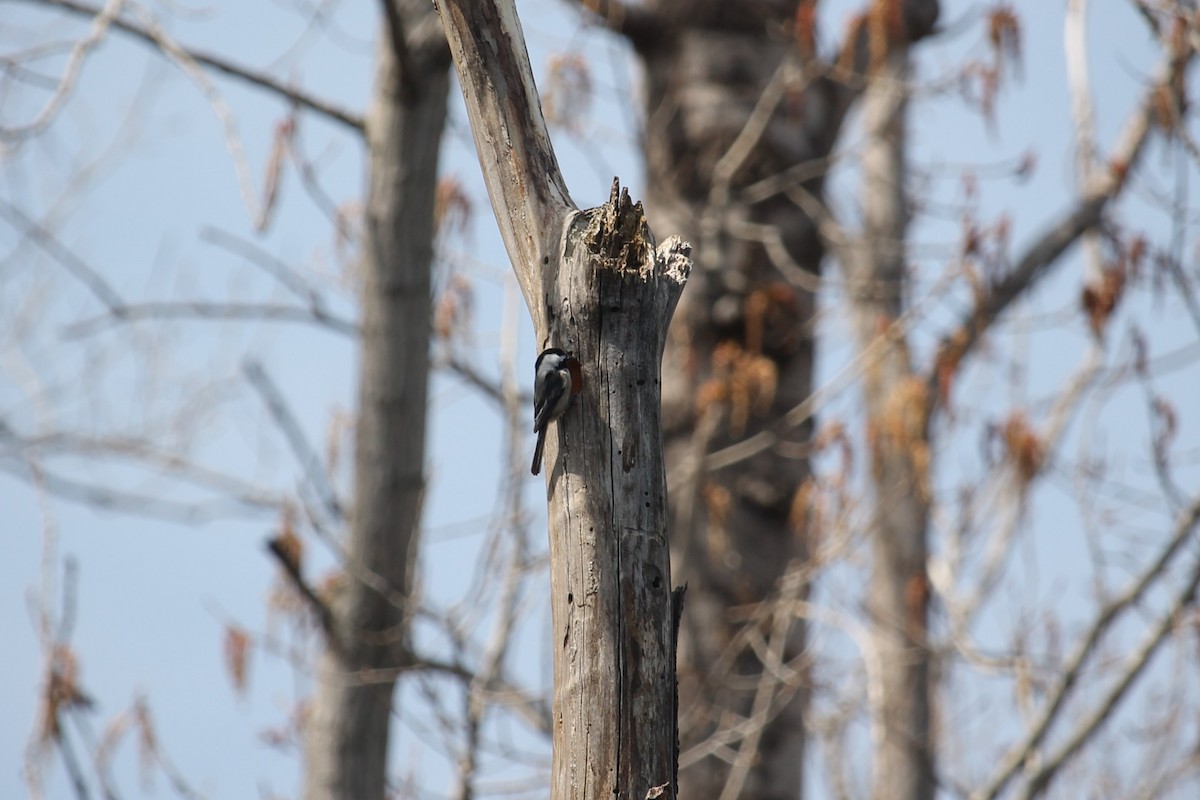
(543, 410)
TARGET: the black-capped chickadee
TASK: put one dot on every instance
(557, 378)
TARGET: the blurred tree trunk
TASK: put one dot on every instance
(741, 114)
(347, 727)
(731, 535)
(898, 438)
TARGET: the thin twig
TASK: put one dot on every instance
(144, 505)
(1047, 249)
(476, 379)
(1134, 666)
(510, 518)
(139, 451)
(312, 184)
(864, 360)
(1174, 260)
(101, 20)
(961, 611)
(292, 569)
(48, 243)
(1075, 47)
(287, 277)
(208, 310)
(221, 64)
(771, 686)
(318, 477)
(1020, 753)
(735, 156)
(71, 764)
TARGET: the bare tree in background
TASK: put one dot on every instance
(742, 118)
(365, 622)
(367, 627)
(868, 613)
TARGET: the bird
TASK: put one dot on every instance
(557, 377)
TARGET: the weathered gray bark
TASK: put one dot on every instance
(347, 728)
(610, 571)
(732, 105)
(597, 286)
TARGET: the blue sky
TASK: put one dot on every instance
(153, 595)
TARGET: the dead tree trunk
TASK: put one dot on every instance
(610, 573)
(596, 286)
(347, 729)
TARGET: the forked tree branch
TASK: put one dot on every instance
(598, 287)
(524, 182)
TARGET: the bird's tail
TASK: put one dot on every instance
(537, 452)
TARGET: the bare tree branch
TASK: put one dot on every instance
(534, 710)
(221, 64)
(287, 276)
(511, 519)
(101, 21)
(291, 568)
(962, 603)
(1075, 48)
(48, 243)
(147, 505)
(345, 231)
(477, 380)
(140, 451)
(866, 359)
(72, 766)
(118, 311)
(1046, 250)
(208, 310)
(1020, 753)
(282, 413)
(1134, 666)
(777, 679)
